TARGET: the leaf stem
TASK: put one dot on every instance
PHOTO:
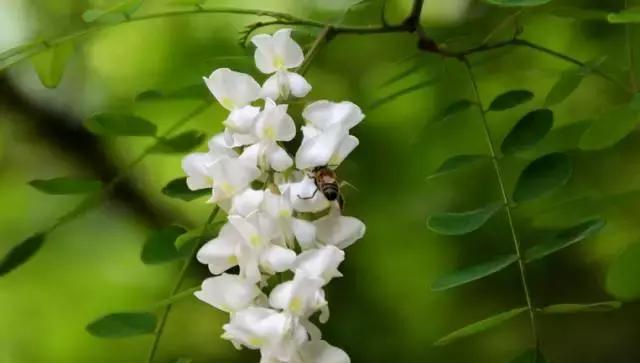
(323, 37)
(507, 205)
(176, 288)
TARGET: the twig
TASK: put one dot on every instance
(507, 205)
(176, 288)
(323, 37)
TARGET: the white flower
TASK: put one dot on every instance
(235, 91)
(320, 263)
(220, 254)
(301, 296)
(230, 177)
(340, 231)
(279, 207)
(274, 125)
(197, 165)
(277, 54)
(247, 202)
(324, 114)
(228, 293)
(276, 334)
(305, 196)
(320, 351)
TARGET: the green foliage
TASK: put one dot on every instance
(160, 247)
(453, 109)
(577, 13)
(512, 3)
(65, 185)
(191, 92)
(114, 14)
(50, 64)
(565, 85)
(177, 188)
(628, 16)
(532, 128)
(456, 162)
(530, 356)
(405, 91)
(473, 273)
(21, 253)
(182, 143)
(510, 99)
(600, 307)
(123, 325)
(543, 176)
(481, 326)
(183, 360)
(610, 128)
(564, 239)
(622, 278)
(113, 124)
(453, 224)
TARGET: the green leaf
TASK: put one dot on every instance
(386, 99)
(21, 253)
(512, 3)
(599, 307)
(177, 297)
(622, 277)
(50, 64)
(181, 143)
(182, 360)
(532, 128)
(473, 273)
(628, 16)
(194, 91)
(113, 124)
(564, 86)
(530, 356)
(510, 99)
(61, 186)
(577, 13)
(453, 109)
(160, 246)
(122, 325)
(480, 326)
(610, 128)
(117, 13)
(455, 163)
(455, 224)
(177, 188)
(564, 239)
(542, 176)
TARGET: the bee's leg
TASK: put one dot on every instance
(310, 197)
(341, 203)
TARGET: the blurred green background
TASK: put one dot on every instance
(382, 309)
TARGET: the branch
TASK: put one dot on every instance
(324, 37)
(507, 205)
(181, 276)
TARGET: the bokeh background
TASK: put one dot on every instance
(382, 309)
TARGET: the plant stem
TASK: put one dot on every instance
(322, 38)
(630, 53)
(507, 205)
(176, 288)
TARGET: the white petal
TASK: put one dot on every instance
(305, 196)
(270, 88)
(232, 89)
(278, 158)
(218, 147)
(320, 263)
(242, 120)
(220, 253)
(319, 351)
(338, 230)
(318, 150)
(287, 49)
(298, 85)
(304, 231)
(196, 166)
(348, 144)
(277, 259)
(228, 293)
(323, 114)
(246, 202)
(255, 327)
(264, 55)
(247, 230)
(274, 124)
(231, 176)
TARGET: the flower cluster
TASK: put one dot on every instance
(279, 224)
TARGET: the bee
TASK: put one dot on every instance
(327, 183)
